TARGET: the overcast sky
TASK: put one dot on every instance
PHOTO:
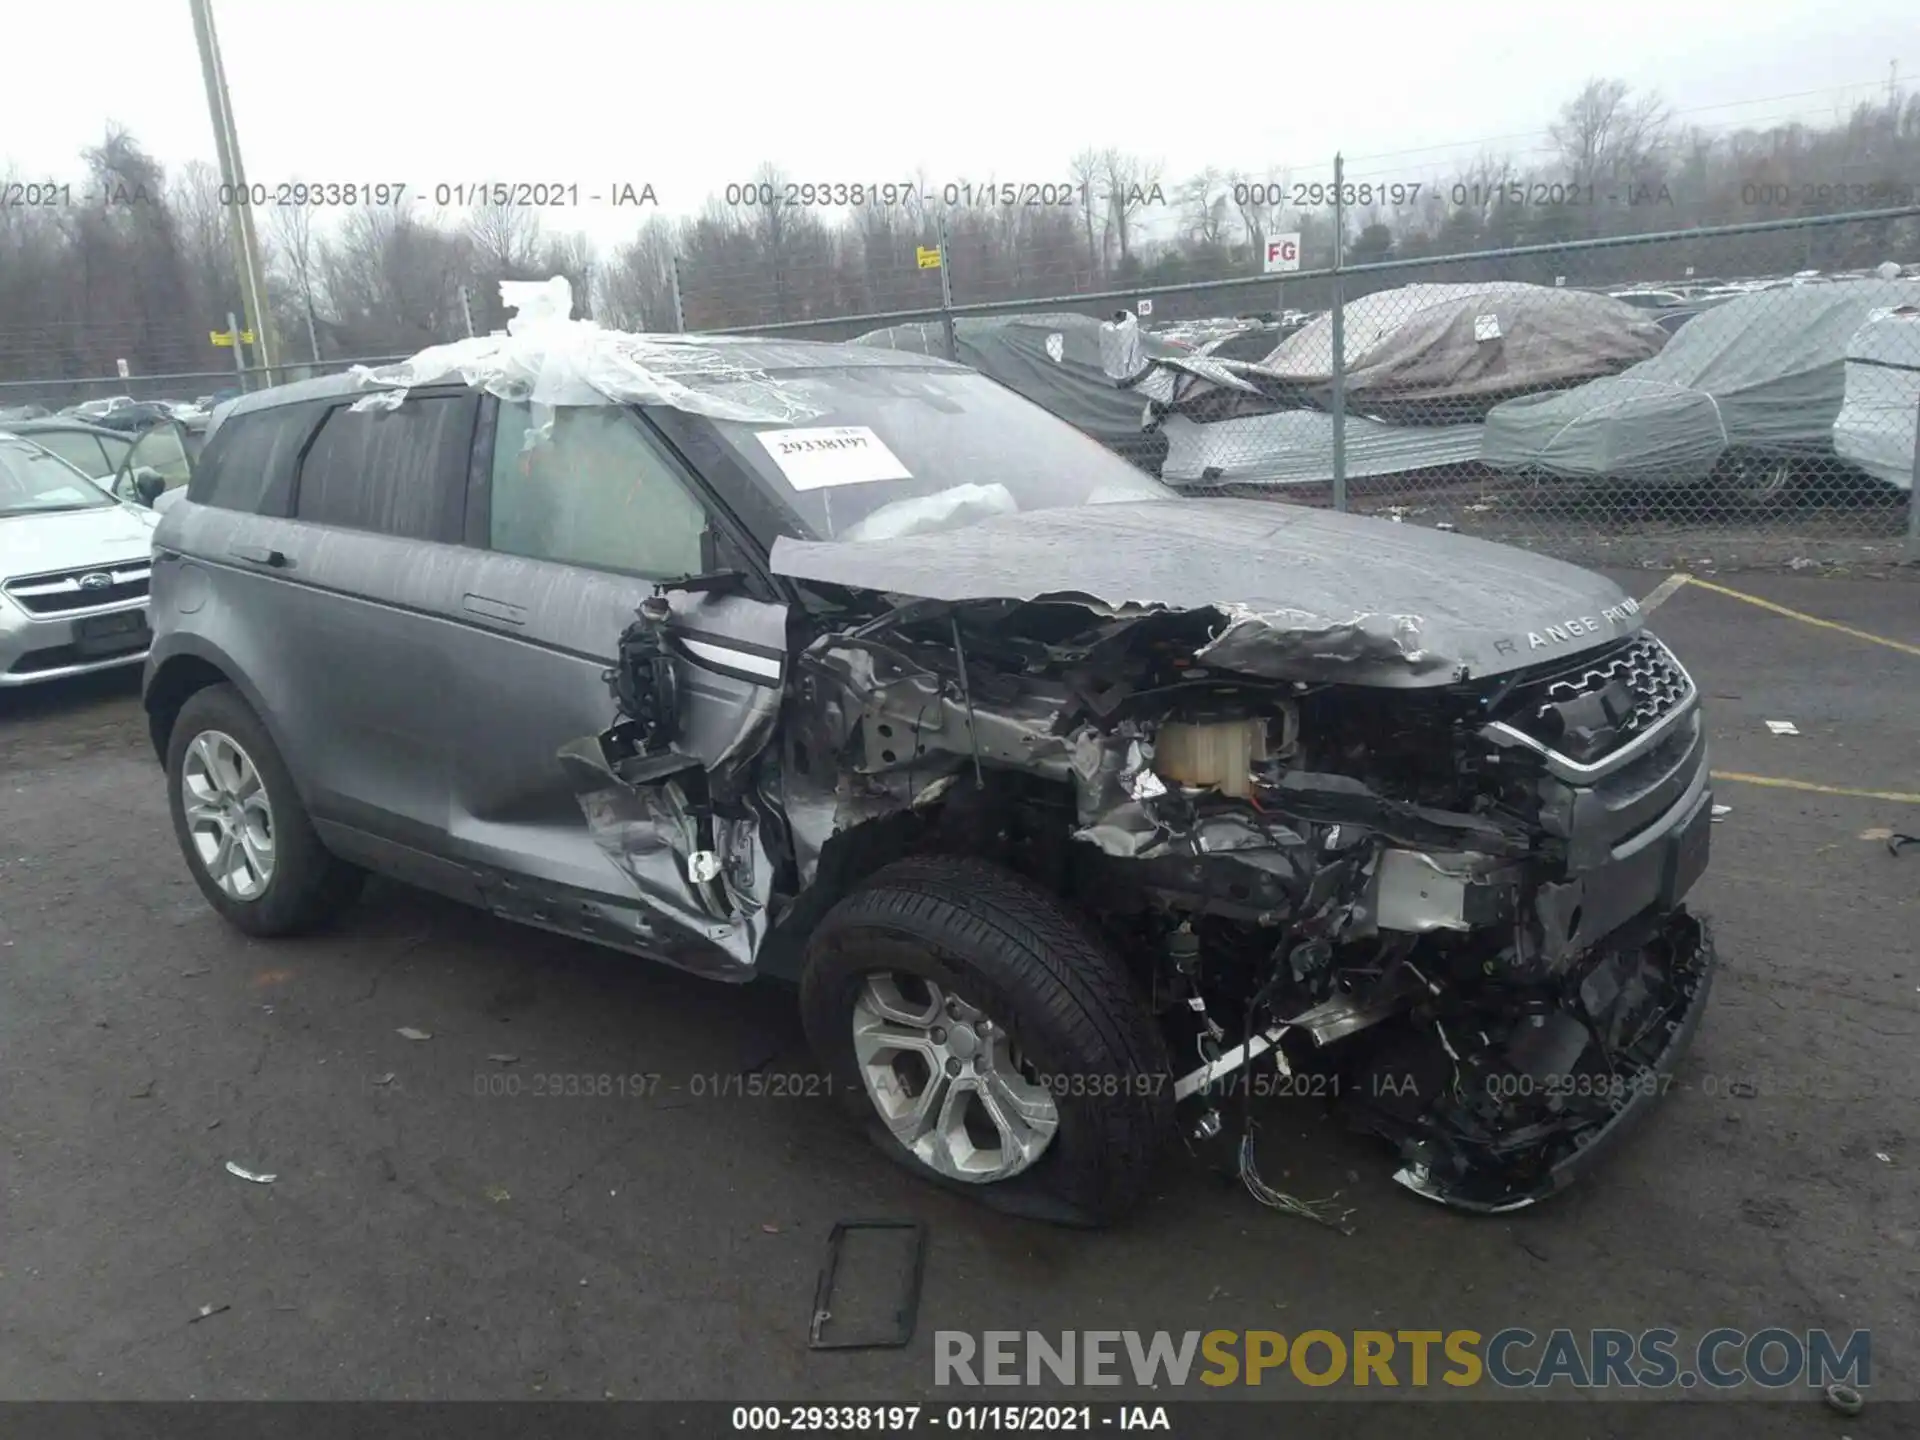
(688, 96)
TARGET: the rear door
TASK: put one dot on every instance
(372, 550)
(580, 512)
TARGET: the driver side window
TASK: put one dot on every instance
(584, 485)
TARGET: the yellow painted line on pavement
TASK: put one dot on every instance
(1662, 592)
(1800, 615)
(1776, 782)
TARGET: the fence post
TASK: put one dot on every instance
(1913, 495)
(1339, 339)
(679, 311)
(946, 288)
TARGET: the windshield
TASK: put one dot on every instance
(902, 451)
(33, 482)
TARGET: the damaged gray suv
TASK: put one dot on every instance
(1081, 814)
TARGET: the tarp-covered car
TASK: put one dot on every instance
(1444, 354)
(1053, 360)
(1742, 395)
(1227, 423)
(1881, 402)
(1078, 811)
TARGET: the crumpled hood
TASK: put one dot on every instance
(66, 540)
(1301, 594)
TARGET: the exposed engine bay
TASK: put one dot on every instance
(1461, 901)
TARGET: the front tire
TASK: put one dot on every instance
(247, 839)
(992, 1043)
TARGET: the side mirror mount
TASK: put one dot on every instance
(148, 486)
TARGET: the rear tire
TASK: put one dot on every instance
(1043, 1016)
(279, 879)
(1760, 485)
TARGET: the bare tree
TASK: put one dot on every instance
(1085, 170)
(1261, 201)
(636, 289)
(505, 238)
(1605, 134)
(1205, 204)
(1128, 184)
(394, 281)
(290, 236)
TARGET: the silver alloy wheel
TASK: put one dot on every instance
(947, 1082)
(229, 818)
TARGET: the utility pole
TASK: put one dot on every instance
(246, 243)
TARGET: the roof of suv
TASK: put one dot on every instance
(765, 353)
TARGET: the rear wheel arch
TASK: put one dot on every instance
(175, 681)
(180, 675)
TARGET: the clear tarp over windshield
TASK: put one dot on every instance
(902, 451)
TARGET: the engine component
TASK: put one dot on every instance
(1220, 753)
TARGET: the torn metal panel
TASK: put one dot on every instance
(1417, 891)
(1426, 608)
(1282, 644)
(705, 875)
(548, 358)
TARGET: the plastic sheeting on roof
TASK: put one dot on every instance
(1880, 406)
(1762, 372)
(548, 358)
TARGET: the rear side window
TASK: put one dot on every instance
(249, 461)
(395, 472)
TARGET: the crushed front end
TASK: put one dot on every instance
(1461, 898)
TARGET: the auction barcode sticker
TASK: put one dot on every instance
(821, 456)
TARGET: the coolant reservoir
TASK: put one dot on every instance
(1216, 753)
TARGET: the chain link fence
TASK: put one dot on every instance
(1732, 396)
(28, 399)
(1728, 396)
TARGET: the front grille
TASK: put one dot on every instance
(1656, 683)
(1638, 681)
(83, 589)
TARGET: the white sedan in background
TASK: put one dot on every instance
(74, 567)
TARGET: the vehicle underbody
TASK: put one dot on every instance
(1460, 901)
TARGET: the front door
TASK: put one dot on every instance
(579, 513)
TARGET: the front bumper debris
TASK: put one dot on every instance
(1515, 1122)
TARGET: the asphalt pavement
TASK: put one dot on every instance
(444, 1224)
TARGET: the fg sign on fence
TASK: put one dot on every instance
(1283, 253)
